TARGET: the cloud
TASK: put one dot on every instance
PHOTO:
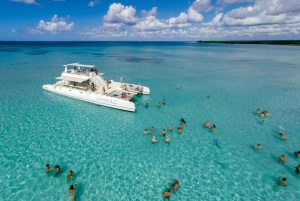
(265, 12)
(152, 12)
(27, 2)
(228, 2)
(118, 13)
(220, 33)
(56, 25)
(201, 5)
(93, 3)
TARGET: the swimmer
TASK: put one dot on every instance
(206, 124)
(218, 141)
(146, 131)
(175, 184)
(168, 139)
(167, 193)
(180, 127)
(265, 113)
(48, 169)
(153, 140)
(158, 104)
(170, 128)
(297, 169)
(297, 154)
(152, 129)
(182, 120)
(213, 128)
(208, 96)
(179, 130)
(282, 181)
(257, 111)
(163, 132)
(258, 146)
(282, 136)
(282, 158)
(57, 169)
(147, 105)
(70, 175)
(163, 101)
(72, 191)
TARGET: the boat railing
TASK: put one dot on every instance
(78, 72)
(68, 86)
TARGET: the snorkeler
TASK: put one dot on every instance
(282, 181)
(147, 105)
(163, 101)
(218, 141)
(208, 96)
(182, 120)
(70, 175)
(146, 131)
(257, 111)
(72, 192)
(163, 132)
(158, 104)
(152, 129)
(167, 193)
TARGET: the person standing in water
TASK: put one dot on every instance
(48, 169)
(72, 192)
(70, 175)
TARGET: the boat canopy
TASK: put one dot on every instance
(80, 65)
(73, 79)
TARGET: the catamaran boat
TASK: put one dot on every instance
(86, 83)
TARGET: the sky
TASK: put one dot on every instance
(148, 20)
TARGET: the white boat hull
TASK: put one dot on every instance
(92, 97)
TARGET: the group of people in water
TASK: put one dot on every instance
(164, 132)
(173, 186)
(282, 180)
(212, 128)
(264, 113)
(70, 175)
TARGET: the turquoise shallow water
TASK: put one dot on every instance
(106, 148)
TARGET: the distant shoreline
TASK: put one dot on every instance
(259, 42)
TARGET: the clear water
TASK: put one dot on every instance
(106, 148)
